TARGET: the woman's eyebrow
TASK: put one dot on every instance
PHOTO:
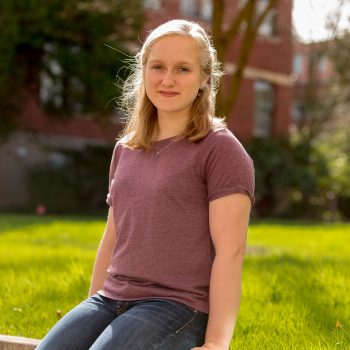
(185, 63)
(176, 63)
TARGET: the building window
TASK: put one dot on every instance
(50, 91)
(298, 63)
(297, 111)
(201, 9)
(322, 64)
(189, 8)
(60, 91)
(206, 10)
(152, 4)
(269, 26)
(263, 109)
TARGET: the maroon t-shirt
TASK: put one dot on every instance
(161, 211)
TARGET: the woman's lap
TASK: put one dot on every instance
(100, 323)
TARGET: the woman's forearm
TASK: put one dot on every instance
(224, 300)
(100, 273)
(103, 256)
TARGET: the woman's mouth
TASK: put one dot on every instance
(168, 93)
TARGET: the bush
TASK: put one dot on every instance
(286, 173)
(79, 185)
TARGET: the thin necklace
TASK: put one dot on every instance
(158, 152)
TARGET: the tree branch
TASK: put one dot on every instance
(246, 45)
(237, 21)
(228, 99)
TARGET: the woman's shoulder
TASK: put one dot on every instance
(222, 138)
(223, 144)
(220, 134)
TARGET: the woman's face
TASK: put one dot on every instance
(173, 74)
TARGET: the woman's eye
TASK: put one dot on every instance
(184, 69)
(157, 67)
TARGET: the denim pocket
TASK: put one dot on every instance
(187, 323)
(188, 335)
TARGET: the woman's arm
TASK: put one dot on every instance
(228, 219)
(103, 256)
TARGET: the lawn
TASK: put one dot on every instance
(296, 280)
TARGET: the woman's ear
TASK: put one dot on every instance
(205, 83)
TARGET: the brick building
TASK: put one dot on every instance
(312, 69)
(262, 110)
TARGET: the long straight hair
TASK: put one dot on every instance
(141, 114)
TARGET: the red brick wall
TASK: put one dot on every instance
(34, 119)
(240, 120)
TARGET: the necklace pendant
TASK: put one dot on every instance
(158, 152)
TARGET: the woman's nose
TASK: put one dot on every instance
(168, 78)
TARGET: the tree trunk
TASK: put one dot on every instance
(223, 39)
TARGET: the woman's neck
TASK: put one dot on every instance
(170, 125)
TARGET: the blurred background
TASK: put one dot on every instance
(285, 95)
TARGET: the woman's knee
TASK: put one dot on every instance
(80, 327)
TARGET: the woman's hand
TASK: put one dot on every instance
(210, 346)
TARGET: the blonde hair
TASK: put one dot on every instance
(141, 114)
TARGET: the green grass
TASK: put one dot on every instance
(296, 287)
(296, 280)
(45, 266)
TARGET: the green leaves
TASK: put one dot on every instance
(59, 49)
(283, 169)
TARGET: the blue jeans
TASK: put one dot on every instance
(152, 324)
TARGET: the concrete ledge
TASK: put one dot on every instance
(8, 342)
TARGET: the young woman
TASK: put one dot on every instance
(180, 191)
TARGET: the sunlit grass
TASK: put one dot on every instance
(45, 266)
(296, 280)
(295, 288)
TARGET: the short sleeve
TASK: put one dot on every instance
(112, 168)
(228, 167)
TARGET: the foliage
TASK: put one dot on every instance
(295, 280)
(78, 185)
(325, 117)
(338, 51)
(57, 50)
(333, 187)
(9, 35)
(325, 98)
(335, 148)
(283, 170)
